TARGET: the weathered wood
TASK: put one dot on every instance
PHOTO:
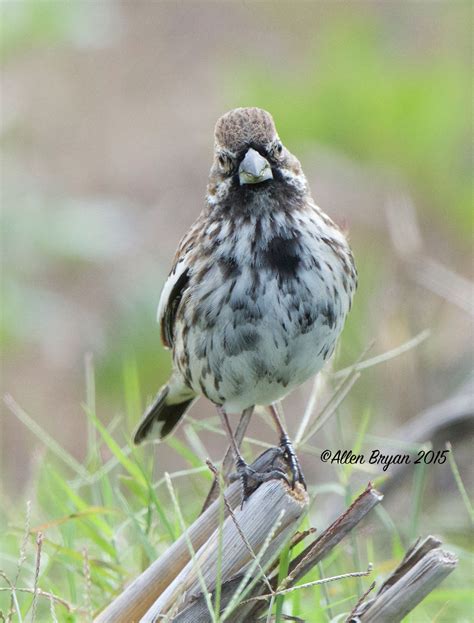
(321, 547)
(243, 535)
(328, 540)
(250, 611)
(137, 598)
(424, 566)
(177, 589)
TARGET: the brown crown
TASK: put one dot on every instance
(242, 126)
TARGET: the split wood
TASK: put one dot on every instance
(239, 556)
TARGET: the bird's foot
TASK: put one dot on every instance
(293, 462)
(251, 479)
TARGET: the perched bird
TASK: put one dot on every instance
(259, 289)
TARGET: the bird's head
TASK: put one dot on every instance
(249, 156)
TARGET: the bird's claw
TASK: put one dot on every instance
(251, 479)
(293, 462)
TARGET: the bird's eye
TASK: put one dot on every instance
(225, 162)
(277, 150)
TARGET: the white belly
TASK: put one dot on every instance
(261, 346)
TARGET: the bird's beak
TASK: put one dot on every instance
(254, 168)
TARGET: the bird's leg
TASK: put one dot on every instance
(287, 447)
(228, 460)
(238, 436)
(244, 472)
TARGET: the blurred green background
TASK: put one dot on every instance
(107, 118)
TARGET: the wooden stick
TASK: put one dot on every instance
(334, 534)
(424, 566)
(273, 507)
(315, 552)
(139, 596)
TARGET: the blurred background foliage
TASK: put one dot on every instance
(106, 128)
(383, 109)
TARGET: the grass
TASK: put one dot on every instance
(90, 528)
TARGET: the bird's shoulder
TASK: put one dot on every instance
(177, 282)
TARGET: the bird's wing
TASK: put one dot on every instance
(175, 287)
(169, 300)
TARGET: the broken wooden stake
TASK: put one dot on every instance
(424, 566)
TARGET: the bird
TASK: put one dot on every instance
(258, 292)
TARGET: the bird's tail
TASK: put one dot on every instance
(164, 413)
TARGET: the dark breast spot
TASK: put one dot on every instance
(259, 368)
(306, 321)
(329, 315)
(229, 267)
(282, 255)
(245, 339)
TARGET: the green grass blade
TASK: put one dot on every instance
(132, 392)
(150, 550)
(359, 440)
(132, 468)
(186, 453)
(45, 438)
(98, 529)
(282, 573)
(459, 483)
(419, 478)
